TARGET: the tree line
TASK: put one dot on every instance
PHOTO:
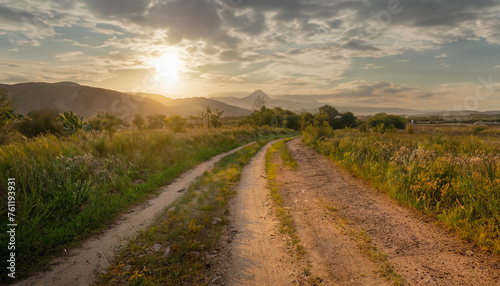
(49, 121)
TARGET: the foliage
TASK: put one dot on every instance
(347, 119)
(104, 121)
(138, 121)
(386, 120)
(212, 117)
(316, 133)
(454, 178)
(176, 123)
(275, 117)
(71, 122)
(334, 118)
(156, 121)
(6, 110)
(478, 129)
(39, 122)
(306, 119)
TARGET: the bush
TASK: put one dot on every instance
(156, 121)
(382, 118)
(317, 133)
(39, 122)
(104, 121)
(176, 123)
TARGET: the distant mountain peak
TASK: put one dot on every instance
(258, 99)
(259, 93)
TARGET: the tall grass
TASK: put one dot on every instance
(70, 188)
(453, 178)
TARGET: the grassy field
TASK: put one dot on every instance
(185, 235)
(451, 174)
(67, 189)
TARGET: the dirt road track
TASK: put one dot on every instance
(422, 251)
(79, 265)
(257, 253)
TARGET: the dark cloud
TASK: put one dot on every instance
(335, 24)
(10, 65)
(427, 95)
(358, 44)
(230, 55)
(14, 16)
(398, 89)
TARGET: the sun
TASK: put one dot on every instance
(167, 66)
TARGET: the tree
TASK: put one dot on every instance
(347, 119)
(156, 121)
(176, 123)
(138, 121)
(104, 121)
(387, 120)
(306, 119)
(332, 114)
(39, 122)
(6, 110)
(71, 122)
(212, 117)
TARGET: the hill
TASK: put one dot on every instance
(83, 100)
(86, 101)
(195, 105)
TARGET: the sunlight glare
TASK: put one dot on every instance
(167, 67)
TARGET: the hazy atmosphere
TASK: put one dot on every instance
(423, 55)
(250, 142)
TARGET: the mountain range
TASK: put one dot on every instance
(86, 101)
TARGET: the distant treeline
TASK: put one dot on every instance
(49, 121)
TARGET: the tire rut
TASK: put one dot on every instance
(255, 253)
(421, 250)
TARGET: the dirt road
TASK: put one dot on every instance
(79, 265)
(257, 255)
(352, 233)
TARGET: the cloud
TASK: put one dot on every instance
(441, 56)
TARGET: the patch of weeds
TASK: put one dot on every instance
(287, 225)
(286, 156)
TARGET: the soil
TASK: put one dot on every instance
(323, 200)
(80, 265)
(251, 251)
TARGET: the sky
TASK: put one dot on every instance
(419, 54)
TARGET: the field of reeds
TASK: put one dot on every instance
(69, 188)
(454, 178)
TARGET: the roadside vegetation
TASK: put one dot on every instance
(71, 187)
(454, 178)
